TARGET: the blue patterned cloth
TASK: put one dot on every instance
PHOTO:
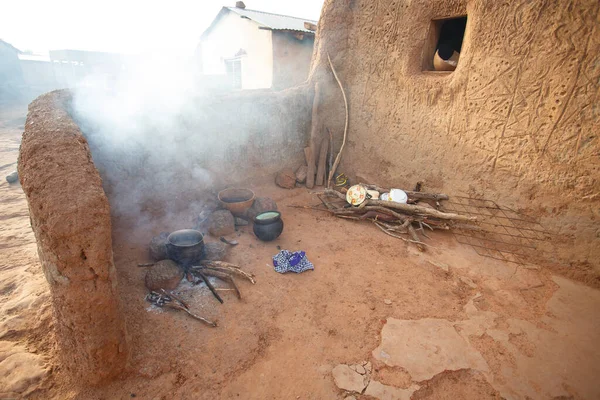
(286, 261)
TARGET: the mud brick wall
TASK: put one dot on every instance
(70, 217)
(517, 122)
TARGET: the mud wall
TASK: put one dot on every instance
(214, 142)
(516, 122)
(292, 52)
(70, 217)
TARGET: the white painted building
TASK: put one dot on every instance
(252, 49)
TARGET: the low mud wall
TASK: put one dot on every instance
(517, 122)
(70, 217)
(230, 139)
(165, 164)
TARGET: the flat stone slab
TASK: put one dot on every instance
(385, 392)
(348, 379)
(426, 347)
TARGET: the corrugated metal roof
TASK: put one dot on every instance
(274, 21)
(34, 57)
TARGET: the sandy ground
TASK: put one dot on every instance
(25, 313)
(524, 332)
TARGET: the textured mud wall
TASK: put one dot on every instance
(517, 122)
(214, 142)
(70, 217)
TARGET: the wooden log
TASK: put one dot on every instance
(307, 152)
(322, 164)
(310, 26)
(415, 237)
(419, 210)
(314, 132)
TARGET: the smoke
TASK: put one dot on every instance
(151, 130)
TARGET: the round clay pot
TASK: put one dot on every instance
(238, 201)
(268, 225)
(185, 247)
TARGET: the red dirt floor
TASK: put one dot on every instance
(535, 331)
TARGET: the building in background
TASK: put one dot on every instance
(24, 76)
(249, 49)
(11, 77)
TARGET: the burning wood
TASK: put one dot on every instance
(166, 299)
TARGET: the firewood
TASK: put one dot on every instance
(322, 164)
(412, 195)
(314, 131)
(419, 210)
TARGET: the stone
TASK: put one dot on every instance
(261, 204)
(158, 246)
(240, 221)
(12, 177)
(441, 265)
(388, 302)
(286, 178)
(347, 379)
(426, 347)
(360, 369)
(215, 251)
(301, 173)
(368, 366)
(350, 398)
(468, 281)
(385, 392)
(221, 223)
(165, 274)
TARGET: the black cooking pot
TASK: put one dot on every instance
(185, 247)
(268, 225)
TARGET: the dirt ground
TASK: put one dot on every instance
(532, 334)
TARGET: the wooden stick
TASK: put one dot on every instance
(310, 174)
(218, 264)
(408, 208)
(330, 149)
(231, 268)
(332, 192)
(210, 286)
(322, 164)
(225, 277)
(326, 203)
(307, 152)
(339, 156)
(415, 237)
(183, 303)
(396, 236)
(182, 308)
(419, 210)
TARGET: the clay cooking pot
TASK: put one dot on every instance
(237, 201)
(268, 225)
(185, 247)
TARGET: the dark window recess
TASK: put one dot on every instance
(446, 39)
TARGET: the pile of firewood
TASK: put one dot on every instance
(407, 222)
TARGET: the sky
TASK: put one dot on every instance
(124, 26)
